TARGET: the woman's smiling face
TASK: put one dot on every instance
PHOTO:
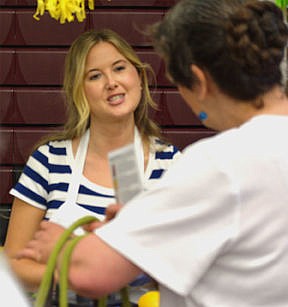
(112, 84)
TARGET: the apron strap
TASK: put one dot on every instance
(139, 152)
(78, 165)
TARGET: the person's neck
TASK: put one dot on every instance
(234, 114)
(275, 102)
(104, 138)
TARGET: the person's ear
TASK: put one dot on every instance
(201, 87)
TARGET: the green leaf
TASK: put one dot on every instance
(281, 3)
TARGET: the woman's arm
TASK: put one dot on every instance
(23, 224)
(95, 269)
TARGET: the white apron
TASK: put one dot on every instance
(69, 210)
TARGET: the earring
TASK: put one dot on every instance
(202, 115)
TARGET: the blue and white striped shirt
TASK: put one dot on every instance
(45, 178)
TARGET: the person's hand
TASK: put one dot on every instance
(41, 246)
(110, 212)
(93, 225)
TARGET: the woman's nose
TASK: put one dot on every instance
(111, 83)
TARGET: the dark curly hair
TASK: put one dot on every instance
(240, 43)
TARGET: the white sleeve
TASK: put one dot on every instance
(32, 186)
(175, 230)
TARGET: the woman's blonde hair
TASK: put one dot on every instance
(78, 111)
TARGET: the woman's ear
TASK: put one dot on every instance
(201, 87)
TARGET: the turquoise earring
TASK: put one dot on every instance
(202, 115)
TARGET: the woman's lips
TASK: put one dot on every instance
(116, 99)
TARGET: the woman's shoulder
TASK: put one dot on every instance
(55, 147)
(53, 152)
(162, 155)
(163, 149)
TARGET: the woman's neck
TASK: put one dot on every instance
(275, 102)
(232, 113)
(106, 138)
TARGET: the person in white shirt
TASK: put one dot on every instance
(11, 291)
(213, 231)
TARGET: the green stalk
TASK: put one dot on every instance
(47, 280)
(125, 297)
(51, 264)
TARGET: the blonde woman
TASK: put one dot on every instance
(106, 88)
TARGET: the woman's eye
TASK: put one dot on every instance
(119, 68)
(94, 76)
